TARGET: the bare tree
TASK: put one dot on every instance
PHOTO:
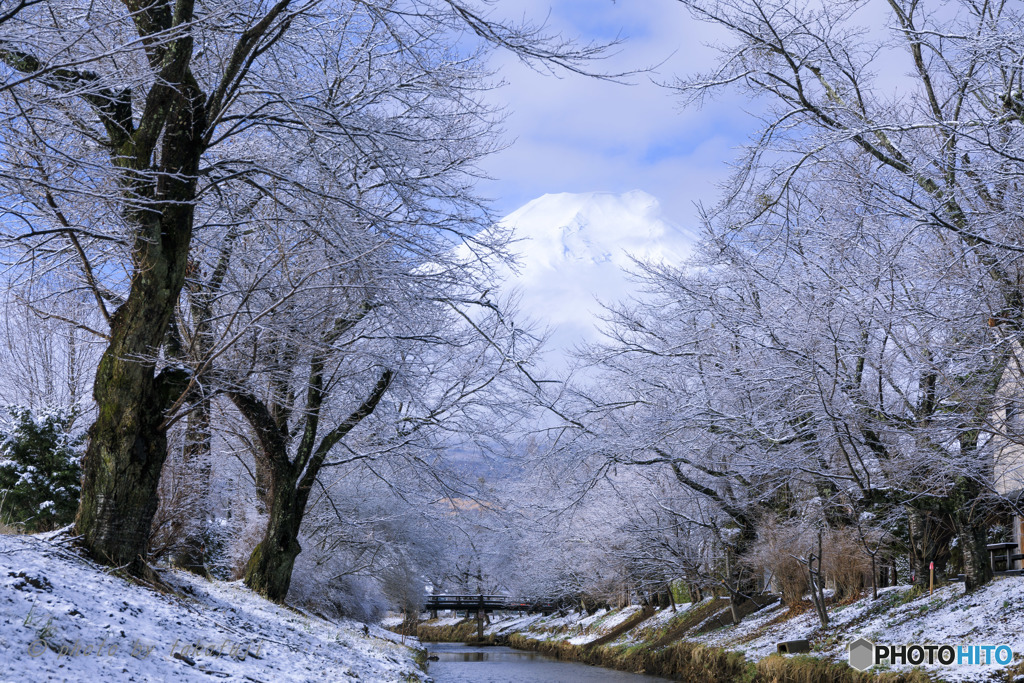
(942, 155)
(125, 122)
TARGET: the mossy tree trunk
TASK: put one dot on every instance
(968, 501)
(269, 570)
(154, 155)
(155, 162)
(128, 442)
(968, 513)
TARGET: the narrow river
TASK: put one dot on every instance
(472, 664)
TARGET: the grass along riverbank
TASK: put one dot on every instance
(694, 643)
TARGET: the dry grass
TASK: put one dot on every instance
(807, 669)
(774, 550)
(7, 528)
(845, 561)
(688, 661)
(462, 632)
(11, 529)
(683, 661)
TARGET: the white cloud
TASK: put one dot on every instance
(578, 134)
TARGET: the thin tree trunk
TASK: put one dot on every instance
(817, 584)
(971, 533)
(194, 554)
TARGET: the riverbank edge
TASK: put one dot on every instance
(681, 660)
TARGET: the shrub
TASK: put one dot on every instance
(774, 551)
(40, 472)
(327, 582)
(845, 561)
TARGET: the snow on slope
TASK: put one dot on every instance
(574, 250)
(63, 618)
(992, 615)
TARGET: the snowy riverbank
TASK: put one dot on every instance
(63, 618)
(993, 615)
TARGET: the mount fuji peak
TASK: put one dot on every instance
(573, 252)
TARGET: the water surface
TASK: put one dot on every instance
(481, 664)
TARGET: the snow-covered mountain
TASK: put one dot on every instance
(574, 250)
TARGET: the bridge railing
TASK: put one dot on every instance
(488, 603)
(467, 598)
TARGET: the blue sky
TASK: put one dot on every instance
(574, 134)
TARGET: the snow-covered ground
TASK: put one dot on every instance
(63, 618)
(993, 615)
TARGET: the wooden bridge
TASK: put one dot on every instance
(486, 604)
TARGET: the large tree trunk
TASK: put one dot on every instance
(930, 537)
(744, 584)
(967, 510)
(128, 442)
